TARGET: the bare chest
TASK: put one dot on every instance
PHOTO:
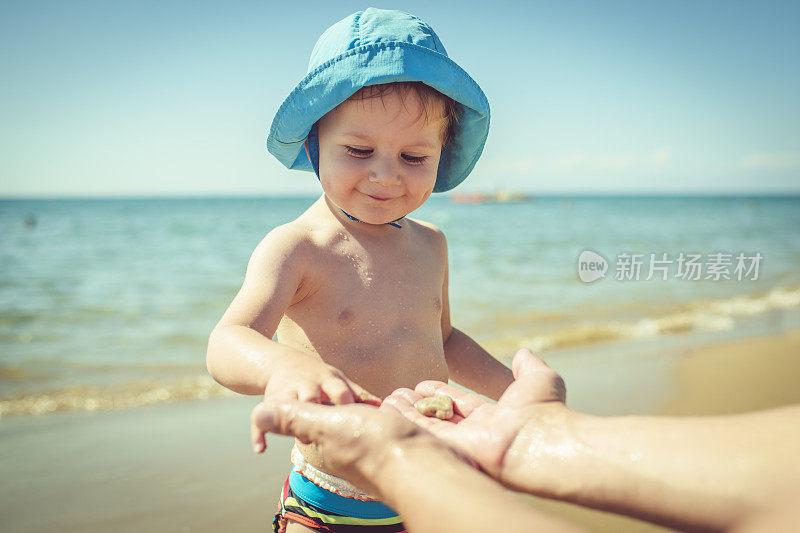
(374, 313)
(370, 291)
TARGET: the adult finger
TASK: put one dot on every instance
(337, 392)
(259, 424)
(446, 430)
(399, 401)
(464, 402)
(402, 401)
(534, 382)
(525, 361)
(406, 399)
(410, 396)
(306, 421)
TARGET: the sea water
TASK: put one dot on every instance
(108, 303)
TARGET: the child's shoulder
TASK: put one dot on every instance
(428, 232)
(285, 244)
(299, 239)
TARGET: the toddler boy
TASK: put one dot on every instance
(356, 291)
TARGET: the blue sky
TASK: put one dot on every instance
(175, 98)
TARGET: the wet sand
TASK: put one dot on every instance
(184, 467)
(735, 377)
(188, 466)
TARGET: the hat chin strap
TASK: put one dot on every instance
(313, 153)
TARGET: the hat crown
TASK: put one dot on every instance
(373, 26)
(373, 47)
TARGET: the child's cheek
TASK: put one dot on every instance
(347, 163)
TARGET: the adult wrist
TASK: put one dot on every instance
(389, 470)
(547, 455)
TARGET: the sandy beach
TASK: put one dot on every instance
(188, 466)
(735, 377)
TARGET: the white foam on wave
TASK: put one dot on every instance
(708, 315)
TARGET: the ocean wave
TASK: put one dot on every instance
(707, 315)
(117, 396)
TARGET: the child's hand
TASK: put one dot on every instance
(314, 381)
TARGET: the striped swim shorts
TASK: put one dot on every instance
(319, 509)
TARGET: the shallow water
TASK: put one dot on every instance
(108, 303)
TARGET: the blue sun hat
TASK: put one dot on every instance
(371, 47)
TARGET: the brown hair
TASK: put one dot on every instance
(428, 96)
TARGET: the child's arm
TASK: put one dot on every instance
(468, 363)
(475, 368)
(241, 354)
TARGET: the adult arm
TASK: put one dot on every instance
(701, 473)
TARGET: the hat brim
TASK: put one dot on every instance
(334, 81)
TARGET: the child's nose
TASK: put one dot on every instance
(384, 173)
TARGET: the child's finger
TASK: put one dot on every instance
(363, 395)
(282, 395)
(464, 402)
(337, 392)
(309, 392)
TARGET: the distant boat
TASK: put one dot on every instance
(498, 196)
(468, 197)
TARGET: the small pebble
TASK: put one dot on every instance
(439, 406)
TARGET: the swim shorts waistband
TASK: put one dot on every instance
(329, 501)
(329, 482)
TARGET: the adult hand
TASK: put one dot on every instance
(699, 473)
(354, 439)
(412, 471)
(487, 432)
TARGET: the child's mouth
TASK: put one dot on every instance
(379, 198)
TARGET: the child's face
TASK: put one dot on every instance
(378, 159)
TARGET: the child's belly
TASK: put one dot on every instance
(381, 354)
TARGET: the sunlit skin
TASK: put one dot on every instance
(359, 308)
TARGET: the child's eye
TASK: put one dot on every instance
(415, 160)
(356, 152)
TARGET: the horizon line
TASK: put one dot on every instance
(527, 194)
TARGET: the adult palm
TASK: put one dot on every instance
(500, 438)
